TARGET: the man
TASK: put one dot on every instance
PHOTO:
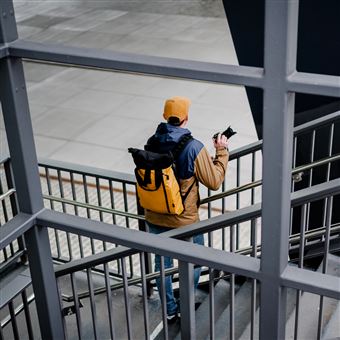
(193, 165)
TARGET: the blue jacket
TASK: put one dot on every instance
(194, 165)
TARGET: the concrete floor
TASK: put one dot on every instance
(91, 117)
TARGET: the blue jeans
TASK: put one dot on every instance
(171, 304)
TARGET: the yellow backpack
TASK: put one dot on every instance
(158, 189)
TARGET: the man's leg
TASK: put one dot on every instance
(171, 304)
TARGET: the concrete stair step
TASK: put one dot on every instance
(291, 301)
(310, 306)
(221, 301)
(242, 313)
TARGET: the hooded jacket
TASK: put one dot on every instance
(194, 165)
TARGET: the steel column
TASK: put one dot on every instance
(281, 19)
(27, 182)
(187, 300)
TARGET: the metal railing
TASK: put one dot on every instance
(76, 275)
(8, 209)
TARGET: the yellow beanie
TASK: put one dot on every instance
(177, 107)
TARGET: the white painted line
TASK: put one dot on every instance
(156, 331)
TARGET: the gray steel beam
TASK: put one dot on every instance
(19, 130)
(14, 228)
(44, 283)
(310, 281)
(161, 66)
(8, 27)
(319, 84)
(187, 300)
(281, 18)
(147, 242)
(4, 51)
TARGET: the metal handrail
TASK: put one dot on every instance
(6, 194)
(255, 184)
(227, 193)
(174, 270)
(94, 207)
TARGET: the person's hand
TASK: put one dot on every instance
(221, 141)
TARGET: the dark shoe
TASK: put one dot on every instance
(172, 318)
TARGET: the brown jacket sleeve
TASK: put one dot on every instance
(211, 172)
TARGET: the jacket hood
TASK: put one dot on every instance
(166, 137)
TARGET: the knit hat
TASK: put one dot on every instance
(176, 107)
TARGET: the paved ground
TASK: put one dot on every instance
(91, 117)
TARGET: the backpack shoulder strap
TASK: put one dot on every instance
(181, 145)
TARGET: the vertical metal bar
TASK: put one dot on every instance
(330, 148)
(88, 211)
(76, 304)
(211, 303)
(126, 299)
(310, 182)
(13, 201)
(92, 303)
(3, 203)
(14, 101)
(74, 197)
(13, 321)
(281, 20)
(144, 296)
(163, 299)
(303, 222)
(254, 282)
(49, 189)
(325, 258)
(238, 162)
(187, 300)
(27, 315)
(232, 286)
(99, 199)
(109, 300)
(62, 195)
(44, 283)
(126, 209)
(147, 261)
(209, 204)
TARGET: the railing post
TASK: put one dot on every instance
(187, 300)
(281, 19)
(148, 262)
(19, 130)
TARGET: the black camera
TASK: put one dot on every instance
(228, 133)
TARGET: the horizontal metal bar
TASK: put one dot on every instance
(93, 260)
(4, 51)
(15, 227)
(152, 243)
(310, 194)
(319, 84)
(6, 194)
(87, 170)
(317, 123)
(316, 164)
(245, 150)
(310, 281)
(93, 207)
(316, 192)
(160, 66)
(17, 311)
(14, 287)
(12, 259)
